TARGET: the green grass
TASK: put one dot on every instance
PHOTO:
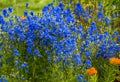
(19, 5)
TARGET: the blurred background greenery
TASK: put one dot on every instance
(19, 5)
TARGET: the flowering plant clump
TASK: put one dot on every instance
(55, 47)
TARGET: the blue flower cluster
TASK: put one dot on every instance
(81, 78)
(57, 36)
(3, 79)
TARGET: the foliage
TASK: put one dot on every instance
(61, 45)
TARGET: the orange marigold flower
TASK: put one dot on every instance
(114, 60)
(22, 17)
(91, 71)
(117, 61)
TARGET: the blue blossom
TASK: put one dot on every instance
(16, 62)
(25, 13)
(49, 57)
(26, 71)
(100, 14)
(10, 31)
(116, 33)
(36, 51)
(16, 52)
(45, 9)
(61, 5)
(87, 53)
(77, 59)
(22, 78)
(81, 78)
(10, 9)
(99, 3)
(39, 55)
(107, 21)
(79, 10)
(23, 65)
(106, 33)
(88, 63)
(118, 40)
(1, 20)
(27, 4)
(18, 30)
(113, 15)
(5, 12)
(47, 51)
(3, 79)
(22, 37)
(29, 50)
(32, 13)
(29, 42)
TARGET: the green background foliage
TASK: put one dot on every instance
(19, 5)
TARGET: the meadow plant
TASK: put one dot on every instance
(58, 46)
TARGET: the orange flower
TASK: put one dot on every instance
(91, 71)
(114, 60)
(22, 17)
(117, 61)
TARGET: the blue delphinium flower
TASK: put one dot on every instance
(116, 33)
(88, 53)
(61, 5)
(32, 13)
(3, 79)
(36, 52)
(29, 42)
(10, 9)
(22, 37)
(22, 78)
(99, 3)
(10, 31)
(5, 12)
(0, 64)
(45, 9)
(23, 65)
(25, 13)
(78, 9)
(88, 63)
(29, 50)
(100, 14)
(77, 59)
(107, 21)
(27, 4)
(0, 80)
(16, 52)
(81, 78)
(118, 40)
(16, 62)
(114, 15)
(2, 19)
(39, 55)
